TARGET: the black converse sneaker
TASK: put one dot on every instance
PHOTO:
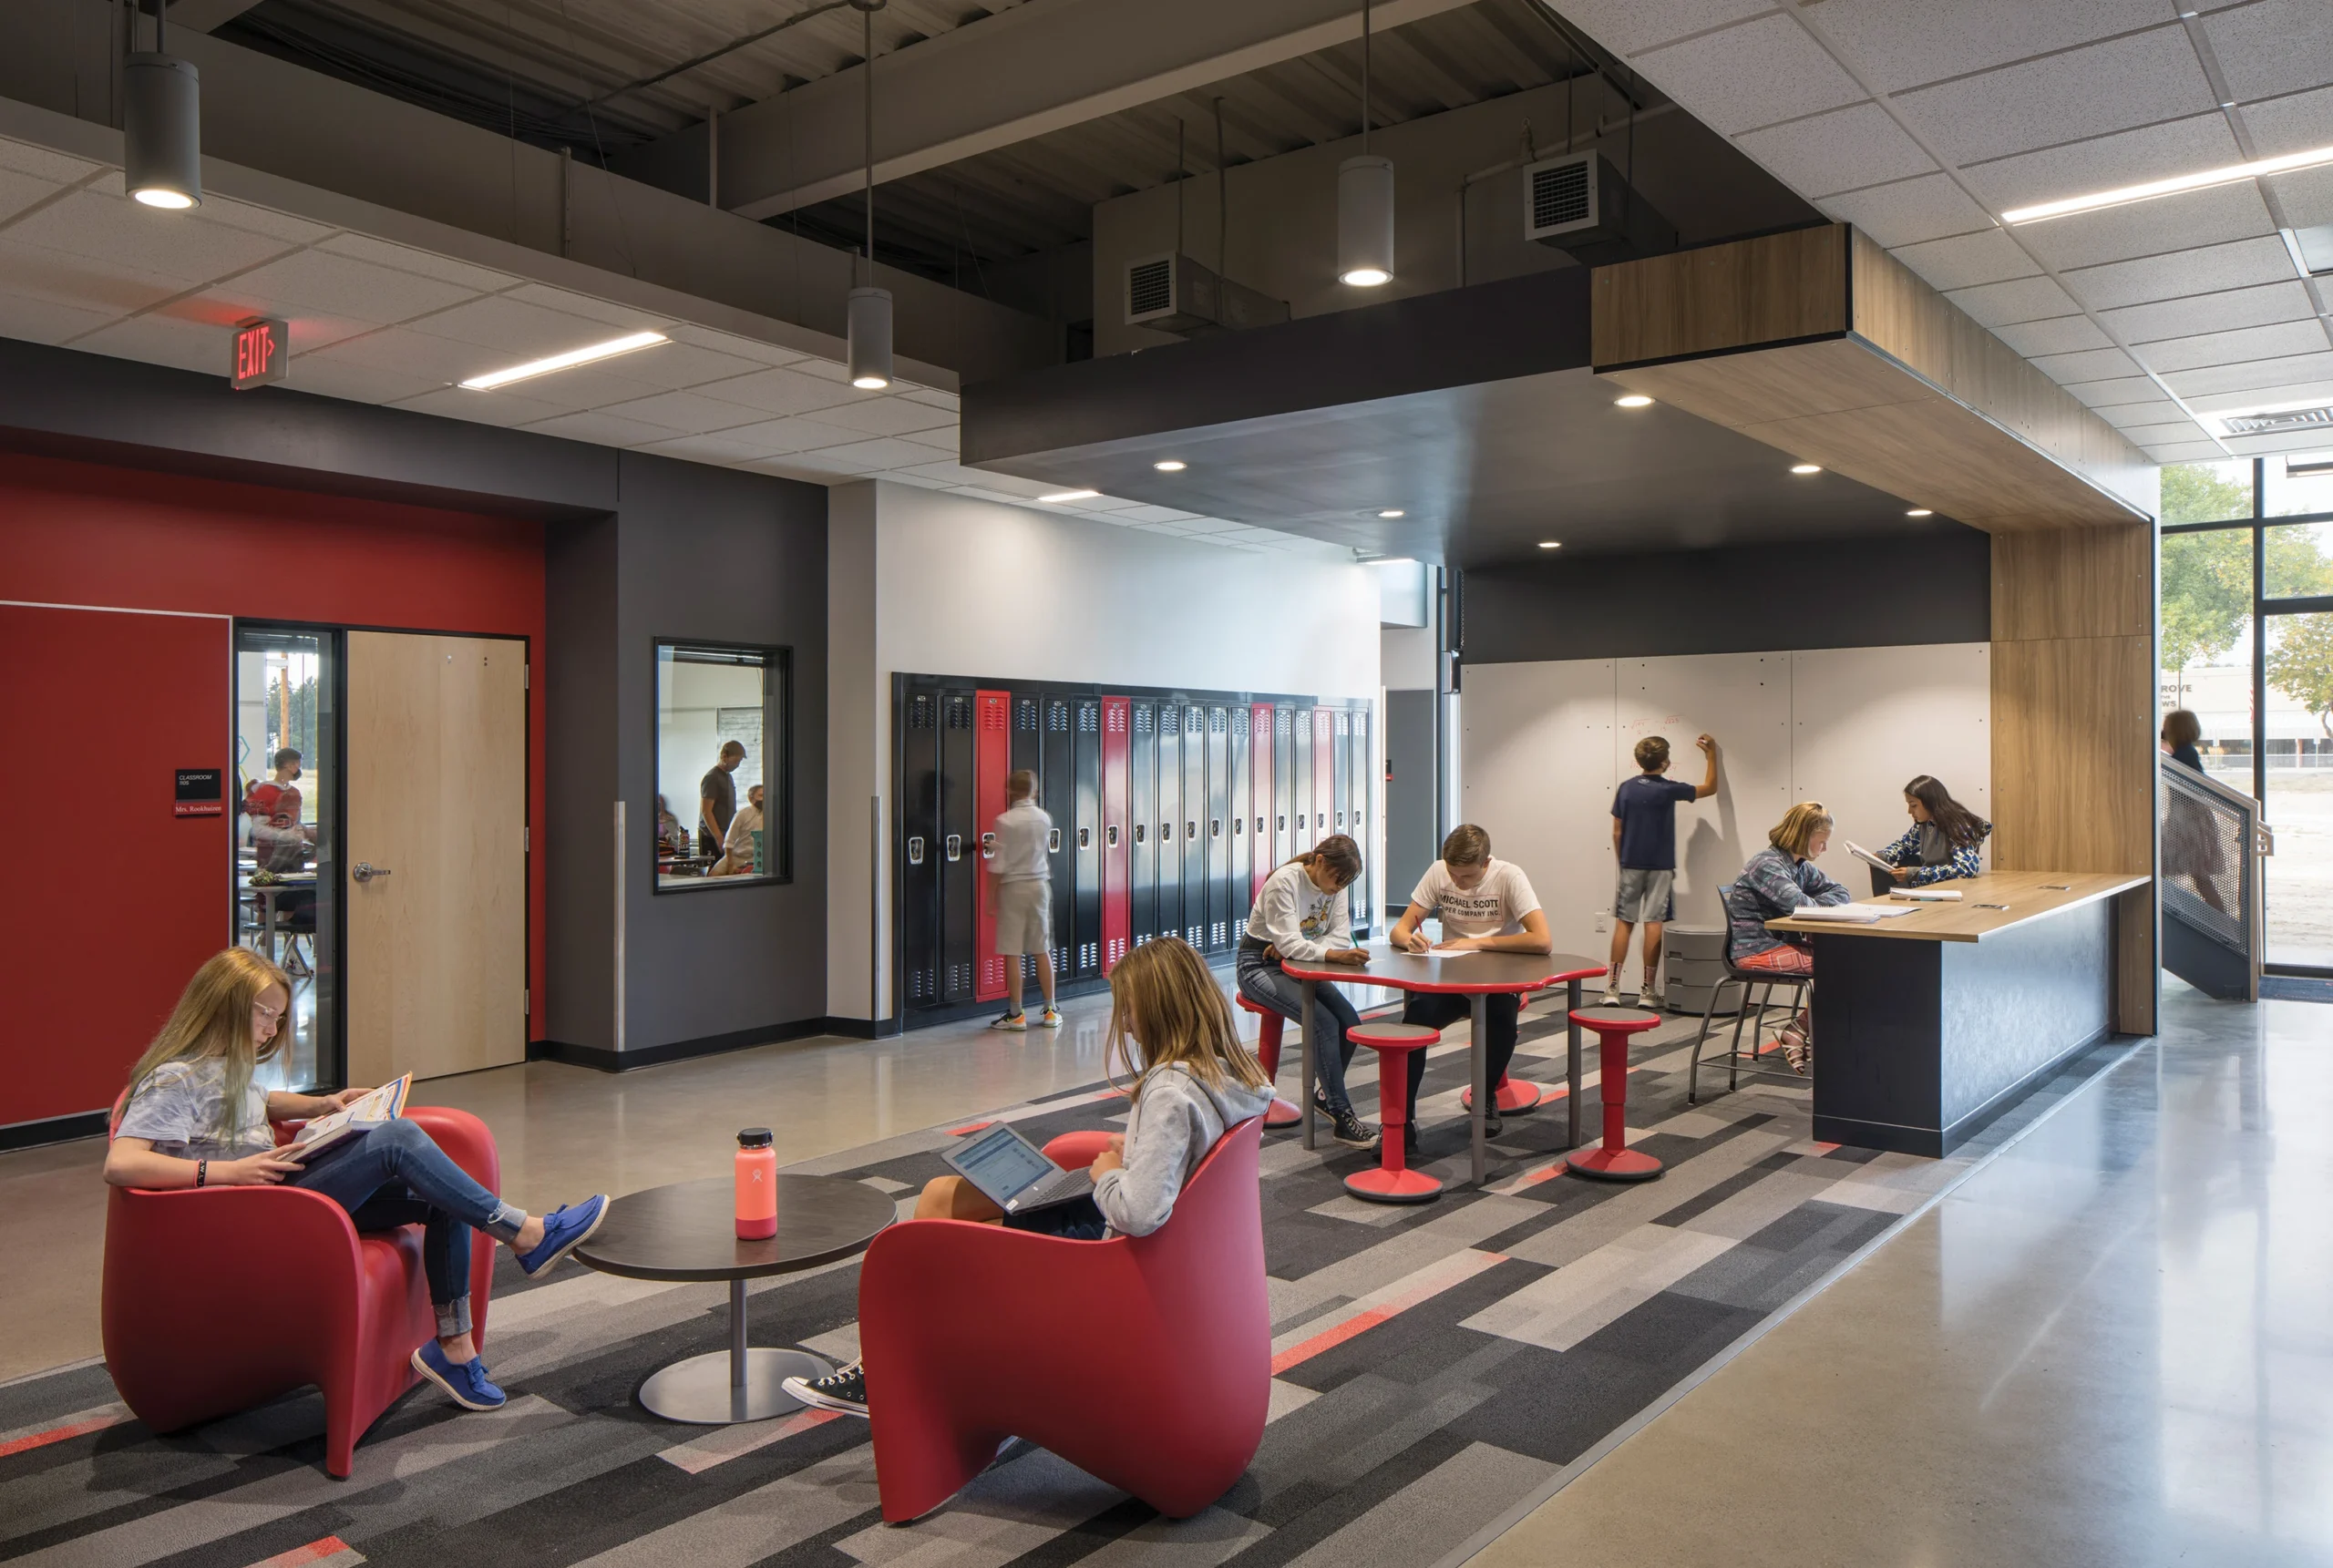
(843, 1390)
(1344, 1126)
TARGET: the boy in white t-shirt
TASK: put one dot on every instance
(1019, 842)
(1486, 905)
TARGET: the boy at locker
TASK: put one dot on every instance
(1644, 842)
(1024, 895)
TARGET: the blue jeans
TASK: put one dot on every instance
(1267, 985)
(397, 1175)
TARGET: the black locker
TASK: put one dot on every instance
(1194, 825)
(1057, 787)
(1142, 892)
(1341, 773)
(1364, 908)
(1217, 829)
(960, 861)
(1243, 822)
(1085, 849)
(1284, 786)
(1306, 833)
(918, 859)
(1170, 820)
(1028, 751)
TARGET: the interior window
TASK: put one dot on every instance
(719, 818)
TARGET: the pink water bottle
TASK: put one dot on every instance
(757, 1186)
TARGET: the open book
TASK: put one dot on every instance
(1866, 856)
(386, 1104)
(1844, 914)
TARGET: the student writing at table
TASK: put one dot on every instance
(1944, 841)
(1486, 905)
(1779, 880)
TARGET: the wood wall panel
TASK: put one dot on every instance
(2073, 582)
(1721, 297)
(2073, 762)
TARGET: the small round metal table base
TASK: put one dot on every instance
(699, 1392)
(1516, 1094)
(1613, 1165)
(1280, 1113)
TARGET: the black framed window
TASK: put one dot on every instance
(2247, 647)
(723, 814)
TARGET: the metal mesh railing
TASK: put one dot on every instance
(2208, 833)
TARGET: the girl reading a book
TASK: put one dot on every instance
(1778, 879)
(1945, 841)
(193, 1118)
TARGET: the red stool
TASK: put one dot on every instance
(1392, 1182)
(1510, 1096)
(1280, 1113)
(1613, 1160)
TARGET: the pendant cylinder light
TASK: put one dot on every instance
(1365, 199)
(868, 311)
(162, 127)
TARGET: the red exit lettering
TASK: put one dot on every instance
(259, 353)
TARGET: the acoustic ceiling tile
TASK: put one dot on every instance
(586, 386)
(221, 306)
(2274, 47)
(355, 382)
(2114, 390)
(42, 163)
(782, 437)
(2203, 270)
(217, 208)
(434, 361)
(84, 223)
(1633, 27)
(160, 340)
(2169, 431)
(2187, 452)
(708, 450)
(2305, 196)
(2093, 364)
(2107, 162)
(467, 276)
(1909, 211)
(1968, 260)
(682, 411)
(1844, 149)
(19, 191)
(600, 429)
(2220, 215)
(505, 408)
(625, 318)
(1999, 306)
(2062, 97)
(743, 347)
(522, 330)
(2280, 341)
(2301, 391)
(827, 370)
(889, 416)
(2222, 311)
(883, 452)
(2152, 411)
(2059, 335)
(1899, 44)
(109, 288)
(811, 468)
(2297, 122)
(933, 397)
(46, 320)
(2254, 375)
(785, 391)
(1757, 73)
(676, 365)
(330, 283)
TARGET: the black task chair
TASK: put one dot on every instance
(1751, 981)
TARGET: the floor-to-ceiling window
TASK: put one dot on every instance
(2247, 647)
(287, 829)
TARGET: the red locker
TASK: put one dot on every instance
(992, 761)
(1260, 778)
(1117, 843)
(1324, 774)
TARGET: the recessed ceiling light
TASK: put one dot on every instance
(1551, 544)
(1919, 512)
(1060, 495)
(1393, 512)
(2226, 174)
(1806, 468)
(567, 361)
(1633, 400)
(1170, 465)
(1389, 560)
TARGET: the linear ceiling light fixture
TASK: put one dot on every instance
(1170, 465)
(1391, 512)
(868, 309)
(1633, 400)
(161, 124)
(2124, 195)
(1805, 469)
(1551, 544)
(1058, 496)
(1365, 199)
(567, 361)
(1919, 512)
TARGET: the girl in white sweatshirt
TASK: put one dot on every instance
(1172, 1027)
(1303, 911)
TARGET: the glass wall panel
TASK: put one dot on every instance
(2298, 801)
(720, 812)
(286, 881)
(2207, 492)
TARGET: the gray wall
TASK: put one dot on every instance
(1935, 587)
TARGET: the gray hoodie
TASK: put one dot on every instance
(1175, 1120)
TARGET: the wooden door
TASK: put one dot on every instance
(436, 960)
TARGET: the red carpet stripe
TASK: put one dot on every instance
(330, 1546)
(80, 1427)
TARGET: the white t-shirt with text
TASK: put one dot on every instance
(1494, 908)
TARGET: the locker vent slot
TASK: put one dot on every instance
(920, 716)
(1057, 717)
(1089, 719)
(1025, 715)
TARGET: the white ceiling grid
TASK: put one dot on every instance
(375, 322)
(1920, 121)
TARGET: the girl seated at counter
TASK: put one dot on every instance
(1942, 843)
(1778, 880)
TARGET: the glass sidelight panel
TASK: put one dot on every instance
(722, 767)
(2297, 800)
(287, 829)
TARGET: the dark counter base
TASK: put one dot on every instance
(1920, 1044)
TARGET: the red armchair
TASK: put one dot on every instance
(1144, 1360)
(217, 1299)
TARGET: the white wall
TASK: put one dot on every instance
(1545, 745)
(924, 582)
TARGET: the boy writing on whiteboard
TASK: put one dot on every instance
(1644, 842)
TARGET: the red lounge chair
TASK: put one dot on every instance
(1144, 1360)
(221, 1298)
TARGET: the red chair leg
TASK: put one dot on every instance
(1613, 1160)
(1392, 1182)
(1513, 1094)
(1280, 1113)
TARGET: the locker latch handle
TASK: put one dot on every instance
(1191, 829)
(1260, 825)
(955, 846)
(1299, 822)
(1238, 823)
(1085, 838)
(915, 850)
(1138, 832)
(987, 846)
(1214, 827)
(1283, 822)
(1053, 841)
(1110, 835)
(1165, 833)
(1341, 821)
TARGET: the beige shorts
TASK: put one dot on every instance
(1024, 917)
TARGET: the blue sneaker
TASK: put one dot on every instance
(467, 1384)
(562, 1228)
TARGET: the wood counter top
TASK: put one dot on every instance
(2028, 895)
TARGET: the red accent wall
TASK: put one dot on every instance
(82, 534)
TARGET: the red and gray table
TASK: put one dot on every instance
(1475, 975)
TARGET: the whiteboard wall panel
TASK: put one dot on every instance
(1545, 744)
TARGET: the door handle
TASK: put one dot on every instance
(364, 871)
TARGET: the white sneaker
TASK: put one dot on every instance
(1613, 999)
(1652, 999)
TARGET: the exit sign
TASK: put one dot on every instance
(260, 354)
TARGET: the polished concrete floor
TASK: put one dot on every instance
(2112, 1346)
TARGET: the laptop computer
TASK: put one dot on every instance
(1013, 1173)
